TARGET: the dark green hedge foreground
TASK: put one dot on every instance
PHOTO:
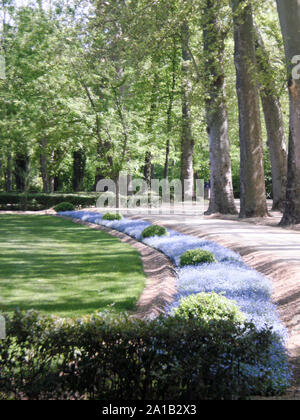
(106, 357)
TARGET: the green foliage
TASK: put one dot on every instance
(154, 230)
(103, 357)
(65, 206)
(112, 216)
(207, 307)
(197, 256)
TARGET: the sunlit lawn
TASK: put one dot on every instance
(57, 267)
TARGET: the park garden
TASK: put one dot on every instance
(174, 91)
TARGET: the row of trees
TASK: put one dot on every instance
(96, 87)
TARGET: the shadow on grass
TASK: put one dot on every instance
(55, 266)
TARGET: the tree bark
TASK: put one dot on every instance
(169, 112)
(8, 173)
(79, 163)
(289, 16)
(21, 171)
(44, 166)
(253, 189)
(187, 141)
(222, 198)
(274, 125)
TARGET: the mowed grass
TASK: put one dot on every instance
(57, 267)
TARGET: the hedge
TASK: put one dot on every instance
(105, 357)
(11, 201)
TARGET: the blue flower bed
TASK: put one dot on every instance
(230, 277)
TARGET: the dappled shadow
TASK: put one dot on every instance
(50, 264)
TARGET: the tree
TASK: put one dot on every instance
(253, 190)
(274, 123)
(289, 16)
(222, 198)
(187, 140)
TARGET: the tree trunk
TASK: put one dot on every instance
(289, 16)
(21, 171)
(148, 156)
(274, 125)
(148, 168)
(8, 174)
(169, 111)
(187, 141)
(44, 166)
(79, 163)
(222, 198)
(253, 189)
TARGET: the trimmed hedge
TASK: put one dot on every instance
(196, 257)
(154, 230)
(64, 207)
(112, 216)
(207, 307)
(11, 201)
(104, 357)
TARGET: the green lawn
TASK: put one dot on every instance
(58, 267)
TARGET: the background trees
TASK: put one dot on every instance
(96, 87)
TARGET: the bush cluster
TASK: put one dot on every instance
(112, 216)
(154, 230)
(207, 307)
(64, 207)
(197, 257)
(13, 201)
(105, 357)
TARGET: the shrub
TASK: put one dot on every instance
(208, 306)
(64, 207)
(197, 257)
(154, 230)
(104, 357)
(112, 216)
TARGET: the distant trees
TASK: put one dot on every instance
(102, 87)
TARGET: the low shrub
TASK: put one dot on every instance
(61, 207)
(112, 216)
(197, 257)
(208, 306)
(154, 230)
(105, 357)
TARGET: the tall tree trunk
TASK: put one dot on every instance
(274, 125)
(8, 173)
(44, 165)
(169, 111)
(187, 141)
(253, 189)
(21, 171)
(289, 15)
(148, 156)
(79, 163)
(222, 198)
